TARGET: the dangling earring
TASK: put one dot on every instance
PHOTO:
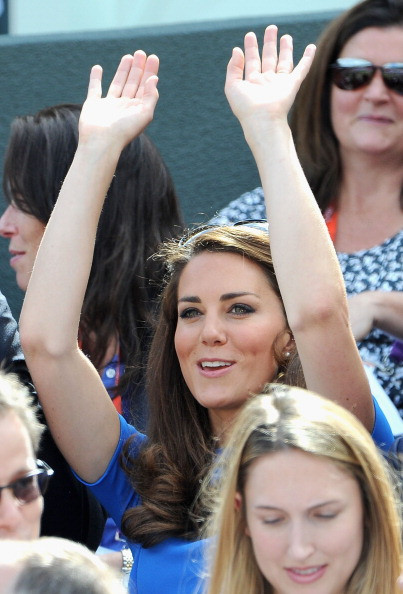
(287, 354)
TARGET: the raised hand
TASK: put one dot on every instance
(129, 104)
(265, 87)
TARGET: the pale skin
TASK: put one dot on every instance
(368, 123)
(81, 415)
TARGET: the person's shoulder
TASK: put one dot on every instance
(249, 205)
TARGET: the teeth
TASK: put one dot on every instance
(305, 571)
(215, 364)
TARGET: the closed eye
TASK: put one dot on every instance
(328, 516)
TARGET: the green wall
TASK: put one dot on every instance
(194, 128)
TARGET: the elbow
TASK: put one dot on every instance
(320, 312)
(37, 345)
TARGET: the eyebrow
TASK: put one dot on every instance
(273, 508)
(224, 297)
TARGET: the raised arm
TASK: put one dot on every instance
(260, 92)
(79, 411)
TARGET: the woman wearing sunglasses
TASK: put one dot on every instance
(23, 478)
(347, 123)
(229, 322)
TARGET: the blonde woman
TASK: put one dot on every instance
(307, 503)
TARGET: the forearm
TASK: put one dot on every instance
(386, 310)
(305, 261)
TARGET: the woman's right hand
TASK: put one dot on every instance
(128, 106)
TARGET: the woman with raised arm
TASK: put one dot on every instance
(229, 322)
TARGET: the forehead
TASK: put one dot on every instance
(16, 450)
(278, 476)
(377, 44)
(224, 271)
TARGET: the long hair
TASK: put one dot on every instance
(310, 119)
(141, 210)
(180, 443)
(298, 419)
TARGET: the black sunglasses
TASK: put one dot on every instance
(30, 486)
(260, 224)
(352, 73)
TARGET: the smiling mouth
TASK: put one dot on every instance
(306, 575)
(214, 364)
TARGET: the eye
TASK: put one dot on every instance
(273, 520)
(326, 516)
(26, 488)
(240, 309)
(189, 312)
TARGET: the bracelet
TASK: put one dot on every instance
(127, 560)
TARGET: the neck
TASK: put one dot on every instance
(368, 204)
(370, 184)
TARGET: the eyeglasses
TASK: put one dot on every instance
(260, 224)
(352, 73)
(30, 486)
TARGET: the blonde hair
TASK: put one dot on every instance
(15, 397)
(289, 417)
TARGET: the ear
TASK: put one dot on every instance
(288, 344)
(238, 505)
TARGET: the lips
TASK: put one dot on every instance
(214, 367)
(15, 256)
(306, 575)
(376, 119)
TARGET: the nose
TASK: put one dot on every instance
(213, 332)
(10, 514)
(301, 545)
(377, 91)
(8, 228)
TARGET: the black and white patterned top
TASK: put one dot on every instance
(378, 268)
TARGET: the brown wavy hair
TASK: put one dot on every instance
(180, 445)
(310, 120)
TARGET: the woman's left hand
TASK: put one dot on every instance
(265, 88)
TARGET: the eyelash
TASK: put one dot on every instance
(193, 312)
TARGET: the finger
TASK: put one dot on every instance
(269, 53)
(252, 57)
(235, 67)
(135, 75)
(121, 75)
(150, 93)
(95, 82)
(305, 63)
(285, 62)
(150, 70)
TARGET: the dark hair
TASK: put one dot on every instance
(180, 444)
(310, 120)
(141, 210)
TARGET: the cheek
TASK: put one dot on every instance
(33, 517)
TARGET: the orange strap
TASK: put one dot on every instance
(331, 217)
